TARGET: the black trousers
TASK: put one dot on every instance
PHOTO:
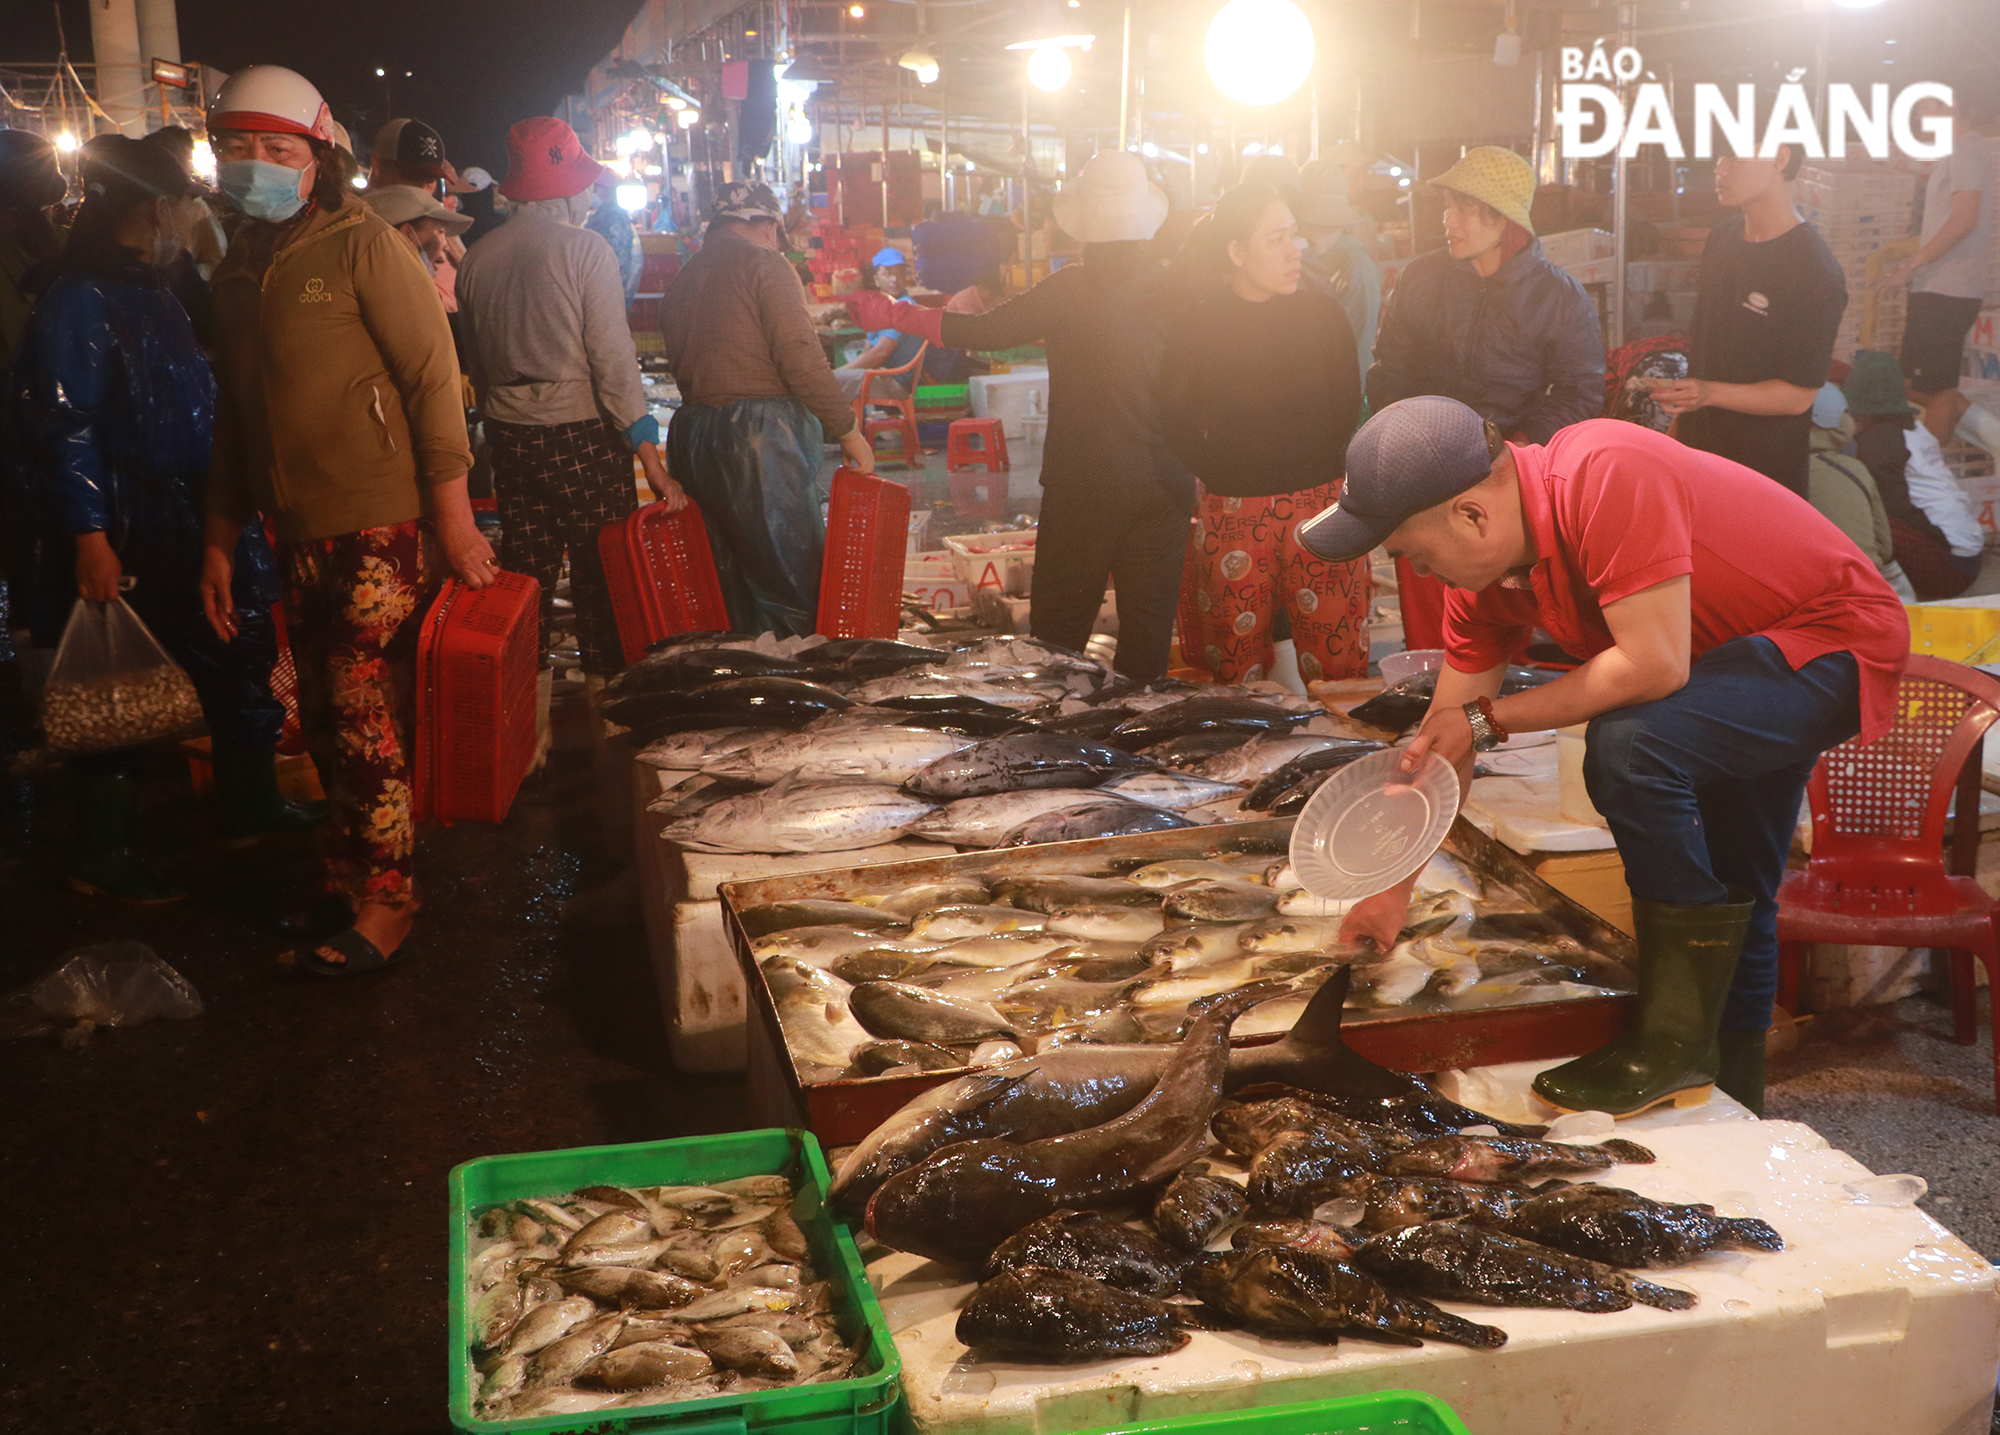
(1097, 534)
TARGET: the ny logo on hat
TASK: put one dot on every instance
(555, 154)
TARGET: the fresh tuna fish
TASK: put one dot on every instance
(1176, 791)
(983, 821)
(861, 754)
(1053, 1317)
(1084, 1243)
(1193, 752)
(960, 1203)
(694, 668)
(1294, 770)
(929, 683)
(804, 817)
(1187, 715)
(1264, 754)
(1453, 1260)
(1112, 817)
(1623, 1228)
(1295, 1292)
(1030, 760)
(687, 751)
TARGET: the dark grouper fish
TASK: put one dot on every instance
(1056, 1317)
(1500, 1158)
(1071, 1087)
(960, 1203)
(1084, 1243)
(1452, 1260)
(1288, 1290)
(1623, 1228)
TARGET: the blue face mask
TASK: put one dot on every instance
(261, 189)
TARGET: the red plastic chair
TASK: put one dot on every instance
(1877, 875)
(905, 406)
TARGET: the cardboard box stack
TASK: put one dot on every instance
(1859, 206)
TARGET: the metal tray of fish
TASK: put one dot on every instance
(1426, 1033)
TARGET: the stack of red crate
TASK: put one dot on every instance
(477, 655)
(867, 537)
(836, 248)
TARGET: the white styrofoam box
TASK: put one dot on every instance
(1984, 491)
(1982, 347)
(938, 594)
(1006, 397)
(1873, 1319)
(1526, 814)
(1577, 246)
(707, 1029)
(1003, 561)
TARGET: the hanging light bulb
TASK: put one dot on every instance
(1048, 67)
(688, 119)
(1259, 51)
(66, 142)
(922, 63)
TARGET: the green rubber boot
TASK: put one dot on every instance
(106, 865)
(1741, 1072)
(1687, 959)
(247, 800)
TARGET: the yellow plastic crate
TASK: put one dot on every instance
(1960, 635)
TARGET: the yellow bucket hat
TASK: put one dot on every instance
(1494, 176)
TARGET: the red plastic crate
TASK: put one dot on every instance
(662, 577)
(867, 537)
(477, 654)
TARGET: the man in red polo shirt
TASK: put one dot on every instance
(1731, 634)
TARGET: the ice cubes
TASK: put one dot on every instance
(1582, 1126)
(1896, 1190)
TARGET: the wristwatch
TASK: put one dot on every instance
(1487, 733)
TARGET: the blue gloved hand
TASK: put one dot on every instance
(646, 430)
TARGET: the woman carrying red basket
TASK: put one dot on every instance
(339, 416)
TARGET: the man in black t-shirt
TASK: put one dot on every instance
(1771, 296)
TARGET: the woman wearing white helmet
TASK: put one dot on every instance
(340, 418)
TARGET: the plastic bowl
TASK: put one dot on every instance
(1371, 825)
(1399, 667)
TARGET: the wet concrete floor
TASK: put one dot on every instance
(238, 1222)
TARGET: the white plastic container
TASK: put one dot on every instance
(1401, 667)
(1009, 397)
(1576, 805)
(1003, 561)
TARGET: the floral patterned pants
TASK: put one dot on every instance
(353, 604)
(1245, 564)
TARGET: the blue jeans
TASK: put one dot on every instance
(1702, 789)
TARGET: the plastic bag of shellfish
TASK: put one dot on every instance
(113, 686)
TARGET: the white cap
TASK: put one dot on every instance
(271, 98)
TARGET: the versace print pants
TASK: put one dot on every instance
(354, 605)
(1247, 565)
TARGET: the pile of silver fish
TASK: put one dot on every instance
(829, 746)
(1319, 1213)
(968, 971)
(613, 1297)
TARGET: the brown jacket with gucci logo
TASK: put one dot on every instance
(338, 397)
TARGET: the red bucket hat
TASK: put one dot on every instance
(545, 160)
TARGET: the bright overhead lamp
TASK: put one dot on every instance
(688, 118)
(631, 197)
(67, 143)
(1259, 51)
(1048, 68)
(1857, 4)
(921, 63)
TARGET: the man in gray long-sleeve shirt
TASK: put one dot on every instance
(557, 377)
(758, 402)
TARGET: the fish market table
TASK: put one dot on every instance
(1873, 1319)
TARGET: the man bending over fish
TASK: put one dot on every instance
(1730, 635)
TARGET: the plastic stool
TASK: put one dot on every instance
(959, 450)
(913, 447)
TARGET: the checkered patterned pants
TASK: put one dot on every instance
(557, 485)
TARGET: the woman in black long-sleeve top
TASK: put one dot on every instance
(1115, 501)
(1260, 392)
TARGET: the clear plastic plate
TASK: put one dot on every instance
(1371, 825)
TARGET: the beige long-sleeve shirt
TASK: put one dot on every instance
(542, 313)
(736, 328)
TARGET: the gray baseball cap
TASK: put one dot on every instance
(1413, 455)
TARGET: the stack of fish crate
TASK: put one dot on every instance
(1859, 206)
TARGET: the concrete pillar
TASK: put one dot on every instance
(121, 71)
(159, 39)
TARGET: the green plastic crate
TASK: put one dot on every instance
(1386, 1412)
(943, 396)
(862, 1405)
